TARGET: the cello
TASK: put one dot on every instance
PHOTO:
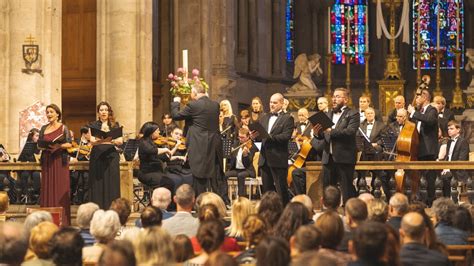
(299, 161)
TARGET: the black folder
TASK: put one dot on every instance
(322, 119)
(262, 133)
(44, 145)
(114, 133)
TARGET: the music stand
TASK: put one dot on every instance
(292, 149)
(227, 148)
(388, 142)
(130, 149)
(28, 151)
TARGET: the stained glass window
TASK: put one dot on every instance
(290, 31)
(450, 33)
(354, 40)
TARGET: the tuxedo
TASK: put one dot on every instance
(339, 154)
(460, 152)
(375, 133)
(242, 167)
(443, 119)
(306, 128)
(378, 115)
(273, 160)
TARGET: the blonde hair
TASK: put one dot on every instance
(229, 111)
(153, 246)
(377, 210)
(214, 199)
(4, 201)
(39, 238)
(241, 209)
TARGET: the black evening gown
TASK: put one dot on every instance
(104, 173)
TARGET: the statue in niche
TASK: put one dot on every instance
(305, 66)
(470, 65)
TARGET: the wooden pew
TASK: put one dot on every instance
(460, 255)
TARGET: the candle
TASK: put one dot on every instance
(329, 29)
(367, 30)
(437, 28)
(185, 62)
(458, 24)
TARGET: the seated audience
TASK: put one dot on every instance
(368, 244)
(154, 246)
(462, 219)
(161, 198)
(397, 207)
(83, 219)
(241, 208)
(39, 243)
(414, 251)
(377, 211)
(306, 238)
(183, 248)
(313, 258)
(392, 250)
(356, 213)
(13, 244)
(182, 222)
(366, 197)
(273, 251)
(214, 199)
(151, 216)
(270, 209)
(306, 201)
(210, 236)
(123, 208)
(33, 219)
(219, 258)
(443, 210)
(294, 215)
(331, 200)
(332, 231)
(254, 230)
(118, 253)
(66, 247)
(104, 227)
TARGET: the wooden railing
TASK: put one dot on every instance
(314, 182)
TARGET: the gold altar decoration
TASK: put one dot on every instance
(348, 77)
(458, 102)
(298, 103)
(328, 93)
(437, 91)
(388, 90)
(367, 92)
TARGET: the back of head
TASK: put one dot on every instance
(331, 197)
(270, 207)
(220, 259)
(13, 244)
(294, 215)
(34, 218)
(85, 213)
(307, 238)
(210, 235)
(40, 237)
(254, 229)
(184, 196)
(214, 199)
(443, 208)
(241, 208)
(66, 247)
(105, 225)
(366, 197)
(123, 208)
(161, 198)
(399, 204)
(356, 209)
(208, 212)
(413, 226)
(151, 216)
(369, 241)
(313, 258)
(153, 246)
(377, 211)
(183, 248)
(118, 253)
(306, 201)
(332, 229)
(273, 251)
(462, 219)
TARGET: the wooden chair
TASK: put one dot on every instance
(460, 255)
(56, 213)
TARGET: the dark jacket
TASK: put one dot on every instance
(450, 235)
(150, 161)
(443, 119)
(415, 254)
(428, 142)
(274, 150)
(460, 153)
(247, 161)
(375, 134)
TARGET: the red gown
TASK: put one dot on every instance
(55, 183)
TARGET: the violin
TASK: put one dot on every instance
(161, 141)
(73, 148)
(172, 143)
(247, 144)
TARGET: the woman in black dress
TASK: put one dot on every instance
(152, 157)
(104, 164)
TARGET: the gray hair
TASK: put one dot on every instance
(185, 195)
(443, 209)
(33, 219)
(198, 88)
(161, 198)
(399, 202)
(85, 213)
(105, 225)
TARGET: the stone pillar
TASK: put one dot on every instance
(124, 54)
(19, 19)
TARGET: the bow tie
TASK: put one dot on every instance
(304, 124)
(370, 124)
(274, 114)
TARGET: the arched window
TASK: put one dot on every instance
(354, 12)
(450, 32)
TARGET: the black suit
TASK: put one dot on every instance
(378, 116)
(273, 160)
(204, 143)
(428, 143)
(414, 254)
(306, 131)
(339, 165)
(460, 153)
(443, 119)
(241, 174)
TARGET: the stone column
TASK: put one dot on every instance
(19, 19)
(124, 54)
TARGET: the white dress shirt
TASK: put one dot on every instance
(239, 164)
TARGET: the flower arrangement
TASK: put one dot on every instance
(181, 84)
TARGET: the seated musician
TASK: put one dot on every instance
(399, 103)
(303, 127)
(457, 150)
(152, 172)
(30, 177)
(177, 167)
(80, 179)
(7, 183)
(167, 126)
(364, 103)
(241, 163)
(244, 120)
(372, 129)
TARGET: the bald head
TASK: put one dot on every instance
(276, 102)
(399, 102)
(413, 227)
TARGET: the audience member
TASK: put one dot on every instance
(210, 236)
(83, 219)
(254, 230)
(366, 197)
(294, 215)
(368, 244)
(151, 216)
(66, 247)
(397, 207)
(118, 253)
(183, 248)
(306, 201)
(33, 219)
(414, 252)
(153, 246)
(331, 200)
(313, 258)
(443, 210)
(392, 250)
(214, 199)
(462, 219)
(104, 227)
(241, 209)
(161, 198)
(39, 243)
(356, 213)
(220, 258)
(377, 211)
(4, 202)
(13, 244)
(332, 232)
(123, 208)
(306, 238)
(273, 251)
(270, 208)
(183, 222)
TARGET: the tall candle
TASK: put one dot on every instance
(458, 24)
(329, 29)
(367, 30)
(185, 60)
